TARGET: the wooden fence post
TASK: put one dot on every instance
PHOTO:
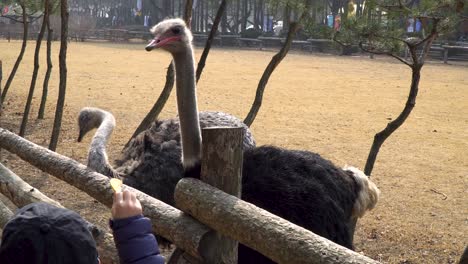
(222, 168)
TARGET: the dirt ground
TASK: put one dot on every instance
(327, 104)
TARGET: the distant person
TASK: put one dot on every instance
(410, 25)
(418, 25)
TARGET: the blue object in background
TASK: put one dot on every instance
(330, 20)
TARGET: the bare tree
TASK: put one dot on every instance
(209, 41)
(416, 64)
(158, 106)
(275, 61)
(20, 56)
(376, 38)
(63, 75)
(45, 85)
(27, 108)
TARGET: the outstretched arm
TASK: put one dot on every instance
(133, 235)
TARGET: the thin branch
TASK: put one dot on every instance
(385, 53)
(335, 38)
(214, 29)
(392, 38)
(441, 193)
(428, 41)
(33, 19)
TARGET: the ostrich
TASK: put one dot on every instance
(153, 157)
(299, 186)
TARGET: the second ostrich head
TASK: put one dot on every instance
(91, 118)
(171, 35)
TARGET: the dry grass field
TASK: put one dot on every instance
(327, 104)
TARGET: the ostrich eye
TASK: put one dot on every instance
(176, 30)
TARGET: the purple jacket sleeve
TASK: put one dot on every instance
(135, 241)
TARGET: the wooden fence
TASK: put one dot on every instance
(445, 52)
(204, 207)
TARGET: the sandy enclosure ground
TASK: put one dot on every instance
(327, 104)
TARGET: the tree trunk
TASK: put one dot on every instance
(21, 194)
(32, 87)
(214, 28)
(158, 106)
(464, 257)
(202, 17)
(224, 23)
(286, 18)
(262, 16)
(275, 61)
(236, 17)
(167, 221)
(270, 235)
(188, 12)
(380, 137)
(255, 12)
(63, 75)
(166, 7)
(45, 85)
(244, 15)
(20, 56)
(207, 16)
(344, 16)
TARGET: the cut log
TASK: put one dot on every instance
(22, 194)
(19, 191)
(256, 228)
(5, 214)
(167, 221)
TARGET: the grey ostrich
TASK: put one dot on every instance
(299, 186)
(153, 158)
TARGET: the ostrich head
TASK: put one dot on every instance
(89, 119)
(171, 35)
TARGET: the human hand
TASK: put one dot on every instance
(125, 205)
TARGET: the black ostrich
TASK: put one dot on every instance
(299, 186)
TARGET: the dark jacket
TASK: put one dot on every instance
(135, 241)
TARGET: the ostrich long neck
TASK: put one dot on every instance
(187, 107)
(97, 156)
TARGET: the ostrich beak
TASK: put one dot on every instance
(160, 42)
(152, 44)
(80, 136)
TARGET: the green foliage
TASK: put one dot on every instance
(317, 31)
(383, 26)
(33, 7)
(295, 5)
